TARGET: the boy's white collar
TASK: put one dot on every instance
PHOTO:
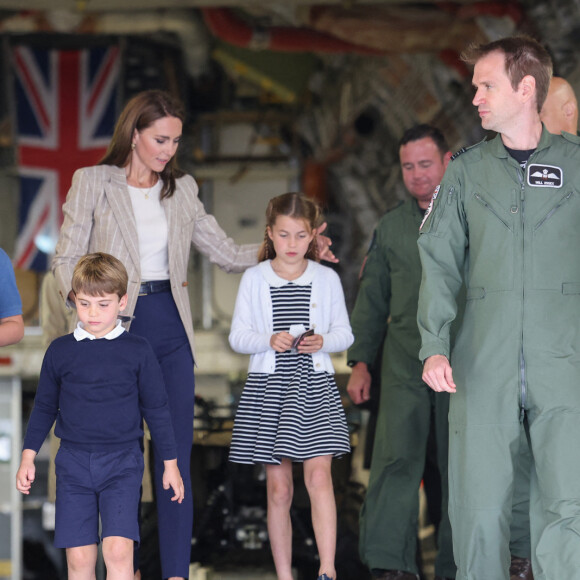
(80, 333)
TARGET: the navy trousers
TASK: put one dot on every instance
(157, 319)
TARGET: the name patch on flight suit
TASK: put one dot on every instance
(544, 175)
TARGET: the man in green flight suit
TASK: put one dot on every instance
(559, 113)
(387, 298)
(505, 221)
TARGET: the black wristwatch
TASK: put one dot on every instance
(351, 363)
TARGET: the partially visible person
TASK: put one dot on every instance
(138, 206)
(386, 303)
(290, 314)
(560, 111)
(97, 384)
(505, 223)
(55, 316)
(55, 321)
(11, 321)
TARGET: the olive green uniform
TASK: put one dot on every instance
(389, 289)
(513, 235)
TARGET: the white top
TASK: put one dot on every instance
(253, 325)
(151, 230)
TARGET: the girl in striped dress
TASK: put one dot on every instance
(290, 409)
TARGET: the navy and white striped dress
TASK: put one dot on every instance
(293, 413)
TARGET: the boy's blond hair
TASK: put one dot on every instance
(99, 274)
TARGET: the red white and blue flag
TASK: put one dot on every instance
(66, 106)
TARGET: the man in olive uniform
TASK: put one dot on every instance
(559, 113)
(387, 303)
(505, 221)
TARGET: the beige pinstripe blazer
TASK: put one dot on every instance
(98, 217)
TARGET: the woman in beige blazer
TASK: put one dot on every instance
(137, 206)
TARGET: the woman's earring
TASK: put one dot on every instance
(132, 146)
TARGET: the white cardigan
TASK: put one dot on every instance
(252, 324)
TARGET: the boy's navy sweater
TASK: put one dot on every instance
(98, 391)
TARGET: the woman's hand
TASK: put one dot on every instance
(324, 243)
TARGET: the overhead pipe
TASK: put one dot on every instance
(224, 24)
(494, 8)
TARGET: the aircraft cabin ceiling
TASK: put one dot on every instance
(95, 5)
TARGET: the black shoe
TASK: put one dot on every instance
(393, 575)
(521, 569)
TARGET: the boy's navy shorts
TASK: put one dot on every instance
(89, 484)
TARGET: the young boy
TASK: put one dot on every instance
(97, 383)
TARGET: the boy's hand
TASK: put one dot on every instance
(26, 472)
(172, 478)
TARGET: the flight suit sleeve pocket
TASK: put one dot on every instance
(475, 293)
(442, 198)
(571, 288)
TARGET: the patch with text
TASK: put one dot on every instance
(545, 175)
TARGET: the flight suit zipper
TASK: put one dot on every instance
(523, 385)
(492, 210)
(553, 210)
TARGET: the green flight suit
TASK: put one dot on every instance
(389, 288)
(513, 235)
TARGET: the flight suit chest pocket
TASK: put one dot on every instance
(491, 242)
(494, 210)
(555, 242)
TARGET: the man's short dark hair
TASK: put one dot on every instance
(523, 56)
(425, 131)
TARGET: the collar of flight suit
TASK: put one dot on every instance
(497, 148)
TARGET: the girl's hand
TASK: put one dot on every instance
(281, 342)
(310, 344)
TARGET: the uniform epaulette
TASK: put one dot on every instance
(458, 153)
(571, 137)
(464, 149)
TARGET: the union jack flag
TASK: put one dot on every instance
(66, 106)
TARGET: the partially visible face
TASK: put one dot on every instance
(423, 166)
(496, 101)
(157, 144)
(99, 313)
(291, 238)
